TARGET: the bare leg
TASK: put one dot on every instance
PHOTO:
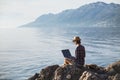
(67, 62)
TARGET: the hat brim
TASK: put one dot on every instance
(76, 40)
(73, 40)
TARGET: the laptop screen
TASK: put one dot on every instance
(66, 53)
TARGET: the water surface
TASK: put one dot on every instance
(24, 51)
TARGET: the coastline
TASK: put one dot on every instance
(87, 72)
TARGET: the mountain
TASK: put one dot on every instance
(97, 14)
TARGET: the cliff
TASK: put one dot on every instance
(87, 72)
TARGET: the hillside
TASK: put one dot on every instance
(97, 14)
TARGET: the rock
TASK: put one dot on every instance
(86, 72)
(88, 75)
(95, 68)
(34, 77)
(68, 76)
(47, 73)
(113, 68)
(116, 77)
(69, 72)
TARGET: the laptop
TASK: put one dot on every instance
(66, 53)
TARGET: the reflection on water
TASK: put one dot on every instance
(25, 51)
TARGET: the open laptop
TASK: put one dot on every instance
(66, 53)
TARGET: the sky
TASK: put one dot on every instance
(14, 13)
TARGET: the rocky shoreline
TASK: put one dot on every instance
(87, 72)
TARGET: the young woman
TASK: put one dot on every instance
(79, 58)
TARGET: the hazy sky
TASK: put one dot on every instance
(14, 13)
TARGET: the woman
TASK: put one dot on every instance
(79, 58)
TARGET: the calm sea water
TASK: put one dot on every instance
(24, 51)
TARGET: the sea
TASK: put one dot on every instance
(25, 51)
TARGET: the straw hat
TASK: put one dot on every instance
(76, 39)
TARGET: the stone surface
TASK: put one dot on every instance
(69, 72)
(95, 68)
(113, 68)
(45, 74)
(88, 75)
(116, 77)
(86, 72)
(34, 77)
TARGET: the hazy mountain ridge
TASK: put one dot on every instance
(97, 14)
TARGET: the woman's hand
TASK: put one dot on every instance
(70, 59)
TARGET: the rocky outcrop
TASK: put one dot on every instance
(45, 74)
(87, 72)
(88, 75)
(68, 72)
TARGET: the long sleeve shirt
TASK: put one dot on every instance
(80, 55)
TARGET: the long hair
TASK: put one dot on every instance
(78, 42)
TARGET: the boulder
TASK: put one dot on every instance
(86, 72)
(95, 68)
(34, 77)
(116, 77)
(47, 73)
(113, 68)
(88, 75)
(69, 72)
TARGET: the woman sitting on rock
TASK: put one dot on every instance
(79, 58)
